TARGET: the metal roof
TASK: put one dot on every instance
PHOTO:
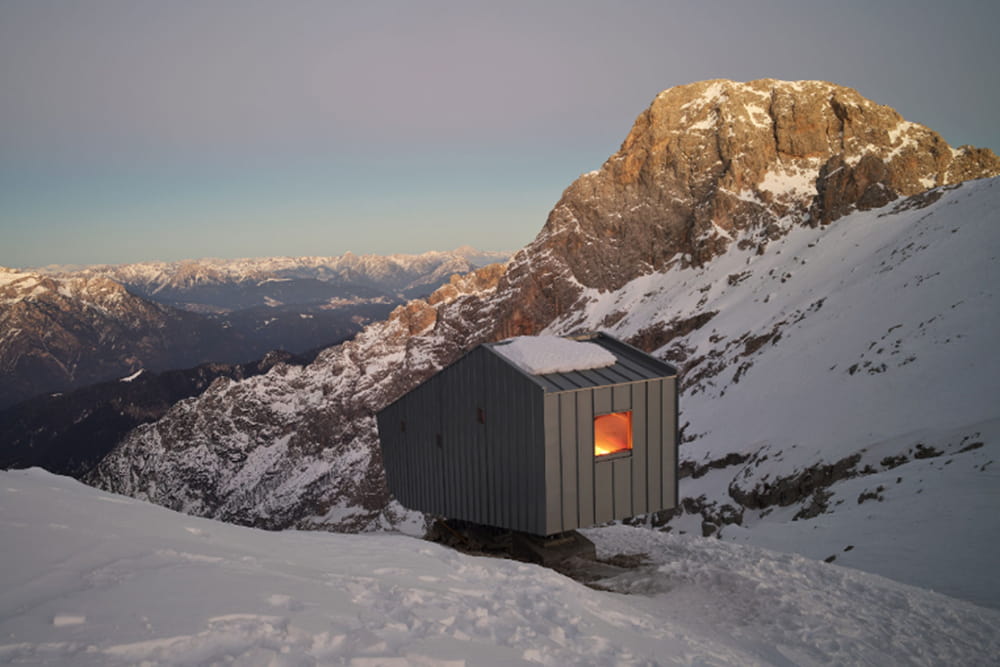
(631, 365)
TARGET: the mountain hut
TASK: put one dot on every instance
(537, 434)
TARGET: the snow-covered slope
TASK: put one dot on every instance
(95, 579)
(831, 316)
(852, 371)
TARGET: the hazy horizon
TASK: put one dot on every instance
(145, 131)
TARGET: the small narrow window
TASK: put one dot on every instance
(612, 433)
(480, 415)
(402, 426)
(438, 440)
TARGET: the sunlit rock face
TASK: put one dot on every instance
(711, 158)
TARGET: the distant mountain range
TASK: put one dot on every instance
(64, 328)
(226, 285)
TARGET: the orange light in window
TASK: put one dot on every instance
(612, 433)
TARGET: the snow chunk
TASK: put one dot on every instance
(539, 355)
(133, 376)
(62, 620)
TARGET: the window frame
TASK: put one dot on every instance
(619, 453)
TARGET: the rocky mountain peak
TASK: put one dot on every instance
(710, 161)
(706, 167)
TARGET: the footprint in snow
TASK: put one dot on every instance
(63, 620)
(285, 602)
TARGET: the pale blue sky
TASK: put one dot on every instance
(140, 130)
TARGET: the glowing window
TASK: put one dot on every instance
(613, 433)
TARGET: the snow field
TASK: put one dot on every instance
(877, 334)
(96, 579)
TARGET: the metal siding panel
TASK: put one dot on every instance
(547, 384)
(553, 465)
(573, 380)
(603, 492)
(621, 398)
(534, 460)
(395, 440)
(504, 448)
(477, 482)
(614, 374)
(628, 372)
(654, 441)
(414, 454)
(669, 443)
(406, 484)
(530, 499)
(631, 366)
(445, 390)
(496, 470)
(653, 367)
(426, 422)
(412, 432)
(602, 401)
(472, 494)
(623, 487)
(496, 450)
(558, 381)
(513, 448)
(521, 431)
(392, 453)
(434, 470)
(430, 470)
(430, 435)
(514, 428)
(456, 448)
(568, 447)
(585, 457)
(591, 378)
(639, 463)
(534, 445)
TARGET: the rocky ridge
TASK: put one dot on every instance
(709, 170)
(710, 160)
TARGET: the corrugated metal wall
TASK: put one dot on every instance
(447, 462)
(581, 490)
(530, 464)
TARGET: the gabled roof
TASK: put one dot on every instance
(631, 365)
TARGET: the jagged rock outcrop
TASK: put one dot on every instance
(706, 166)
(298, 446)
(710, 159)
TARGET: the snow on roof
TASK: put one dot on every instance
(539, 355)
